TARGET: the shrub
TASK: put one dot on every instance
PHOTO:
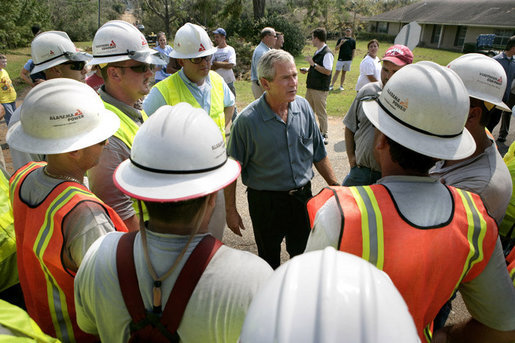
(382, 37)
(469, 47)
(244, 52)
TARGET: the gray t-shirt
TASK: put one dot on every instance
(82, 226)
(425, 202)
(101, 176)
(364, 131)
(485, 174)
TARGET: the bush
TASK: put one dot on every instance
(469, 47)
(382, 37)
(244, 52)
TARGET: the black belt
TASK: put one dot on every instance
(294, 191)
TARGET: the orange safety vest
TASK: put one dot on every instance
(46, 283)
(426, 264)
(510, 261)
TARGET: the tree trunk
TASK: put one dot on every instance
(259, 9)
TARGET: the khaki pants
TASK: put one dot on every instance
(257, 90)
(318, 100)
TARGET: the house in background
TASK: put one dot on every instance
(449, 24)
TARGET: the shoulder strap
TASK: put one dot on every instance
(128, 278)
(181, 292)
(187, 281)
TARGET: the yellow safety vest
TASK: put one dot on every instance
(509, 218)
(126, 133)
(8, 267)
(24, 329)
(174, 91)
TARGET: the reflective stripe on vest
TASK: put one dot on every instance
(9, 270)
(126, 133)
(174, 90)
(373, 229)
(40, 242)
(510, 261)
(128, 128)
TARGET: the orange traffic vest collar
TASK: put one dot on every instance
(47, 285)
(426, 264)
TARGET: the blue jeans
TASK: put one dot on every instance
(9, 110)
(361, 176)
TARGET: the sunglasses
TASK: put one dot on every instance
(76, 65)
(140, 68)
(197, 60)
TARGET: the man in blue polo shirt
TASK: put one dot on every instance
(268, 39)
(276, 140)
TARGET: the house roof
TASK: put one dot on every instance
(491, 13)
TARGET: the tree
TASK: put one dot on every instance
(16, 18)
(163, 9)
(259, 9)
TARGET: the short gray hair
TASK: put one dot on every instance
(266, 64)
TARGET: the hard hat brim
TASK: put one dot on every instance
(454, 148)
(499, 104)
(160, 187)
(148, 56)
(79, 56)
(18, 139)
(176, 54)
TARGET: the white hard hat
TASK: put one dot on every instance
(328, 296)
(61, 115)
(117, 41)
(178, 154)
(424, 107)
(484, 78)
(52, 48)
(192, 41)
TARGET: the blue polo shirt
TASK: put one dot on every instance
(509, 66)
(258, 52)
(275, 155)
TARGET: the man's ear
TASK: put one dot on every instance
(380, 141)
(474, 115)
(114, 73)
(264, 83)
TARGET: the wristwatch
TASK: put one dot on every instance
(314, 65)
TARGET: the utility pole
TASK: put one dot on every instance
(98, 14)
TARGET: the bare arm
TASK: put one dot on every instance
(326, 170)
(224, 65)
(350, 146)
(371, 78)
(25, 76)
(234, 221)
(353, 53)
(472, 331)
(132, 223)
(229, 111)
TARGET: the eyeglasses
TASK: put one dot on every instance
(140, 68)
(198, 60)
(76, 65)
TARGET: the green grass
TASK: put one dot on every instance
(337, 102)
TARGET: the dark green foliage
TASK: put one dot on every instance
(244, 52)
(383, 37)
(469, 47)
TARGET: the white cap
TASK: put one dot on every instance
(484, 78)
(52, 48)
(424, 107)
(61, 115)
(117, 41)
(178, 154)
(192, 41)
(328, 296)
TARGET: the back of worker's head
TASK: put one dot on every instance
(485, 80)
(328, 296)
(178, 155)
(424, 107)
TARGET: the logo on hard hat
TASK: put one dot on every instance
(69, 117)
(143, 41)
(201, 48)
(491, 79)
(109, 46)
(396, 101)
(51, 52)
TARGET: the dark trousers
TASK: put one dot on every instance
(278, 215)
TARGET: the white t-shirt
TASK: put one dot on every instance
(215, 311)
(226, 54)
(369, 66)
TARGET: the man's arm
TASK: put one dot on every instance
(326, 170)
(350, 146)
(318, 67)
(472, 331)
(229, 111)
(353, 53)
(224, 65)
(233, 218)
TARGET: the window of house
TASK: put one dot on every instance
(459, 39)
(382, 27)
(502, 37)
(435, 35)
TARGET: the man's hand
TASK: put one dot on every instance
(309, 59)
(234, 221)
